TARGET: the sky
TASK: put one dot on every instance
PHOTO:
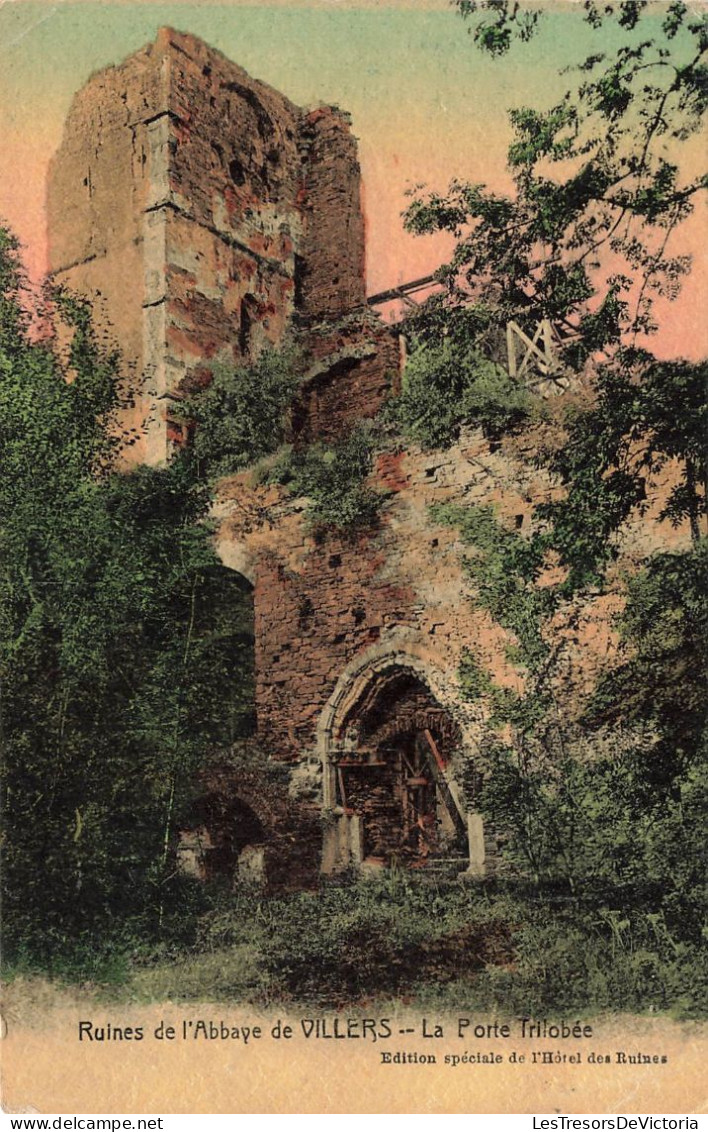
(426, 106)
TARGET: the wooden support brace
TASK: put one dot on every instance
(510, 349)
(539, 350)
(437, 766)
(342, 791)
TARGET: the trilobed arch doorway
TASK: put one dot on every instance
(392, 777)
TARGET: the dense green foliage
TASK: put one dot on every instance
(447, 384)
(333, 479)
(599, 182)
(125, 651)
(244, 418)
(665, 624)
(242, 415)
(460, 947)
(644, 414)
(504, 567)
(439, 945)
(610, 804)
(606, 828)
(122, 637)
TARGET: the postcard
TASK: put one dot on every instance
(352, 381)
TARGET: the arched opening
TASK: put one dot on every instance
(222, 645)
(219, 826)
(229, 826)
(391, 763)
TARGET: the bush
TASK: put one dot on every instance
(125, 653)
(379, 936)
(243, 414)
(604, 960)
(333, 477)
(448, 385)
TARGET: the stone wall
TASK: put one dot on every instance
(330, 278)
(100, 184)
(336, 614)
(205, 214)
(355, 366)
(323, 601)
(319, 604)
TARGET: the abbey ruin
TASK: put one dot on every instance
(205, 216)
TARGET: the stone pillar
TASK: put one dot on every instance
(342, 843)
(251, 867)
(475, 839)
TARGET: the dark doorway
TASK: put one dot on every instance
(230, 826)
(399, 741)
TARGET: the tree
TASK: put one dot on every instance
(625, 823)
(584, 241)
(125, 654)
(246, 416)
(447, 382)
(243, 414)
(641, 418)
(600, 186)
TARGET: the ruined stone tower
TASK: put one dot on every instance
(204, 214)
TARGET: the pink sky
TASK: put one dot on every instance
(425, 106)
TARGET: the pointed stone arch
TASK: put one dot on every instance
(237, 555)
(427, 742)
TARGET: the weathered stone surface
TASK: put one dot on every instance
(331, 278)
(336, 616)
(401, 587)
(355, 365)
(204, 213)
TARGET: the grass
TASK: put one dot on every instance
(231, 974)
(445, 946)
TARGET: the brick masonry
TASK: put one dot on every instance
(206, 215)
